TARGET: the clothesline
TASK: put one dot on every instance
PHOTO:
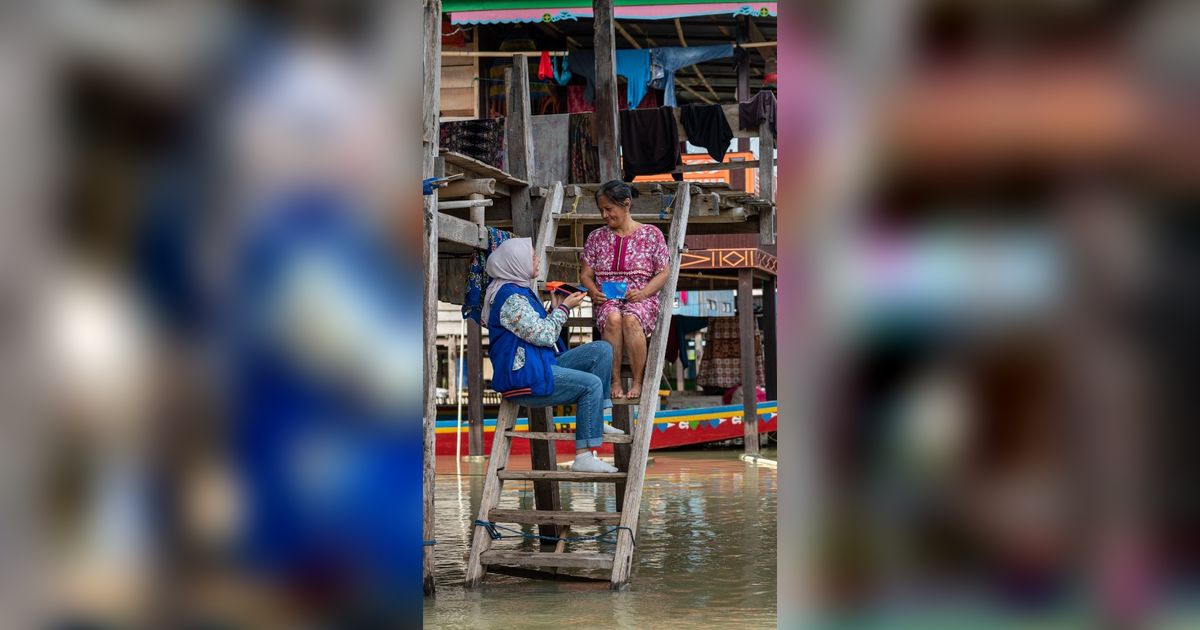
(555, 53)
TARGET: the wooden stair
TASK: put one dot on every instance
(631, 450)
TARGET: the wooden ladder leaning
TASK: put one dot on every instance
(631, 449)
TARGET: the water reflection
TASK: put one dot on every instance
(705, 553)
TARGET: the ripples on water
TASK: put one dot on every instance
(705, 553)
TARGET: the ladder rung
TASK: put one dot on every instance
(563, 250)
(559, 475)
(537, 559)
(535, 435)
(556, 517)
(627, 401)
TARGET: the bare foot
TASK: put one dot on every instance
(635, 392)
(616, 392)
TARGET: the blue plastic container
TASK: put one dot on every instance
(614, 290)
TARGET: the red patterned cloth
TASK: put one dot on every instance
(721, 364)
(634, 259)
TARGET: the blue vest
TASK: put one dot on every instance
(534, 378)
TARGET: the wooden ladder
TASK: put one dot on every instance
(631, 449)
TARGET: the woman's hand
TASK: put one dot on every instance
(597, 298)
(573, 300)
(635, 295)
(556, 298)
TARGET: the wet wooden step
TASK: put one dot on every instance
(533, 517)
(535, 435)
(559, 475)
(537, 559)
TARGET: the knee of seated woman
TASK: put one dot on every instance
(613, 318)
(631, 323)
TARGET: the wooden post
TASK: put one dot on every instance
(621, 452)
(480, 541)
(655, 357)
(429, 149)
(607, 136)
(474, 389)
(519, 144)
(770, 354)
(749, 374)
(475, 367)
(766, 183)
(737, 179)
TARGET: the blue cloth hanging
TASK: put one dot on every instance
(477, 278)
(560, 76)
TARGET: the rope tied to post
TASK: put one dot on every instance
(494, 533)
(664, 203)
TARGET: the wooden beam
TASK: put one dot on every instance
(430, 103)
(463, 187)
(466, 203)
(607, 134)
(560, 517)
(577, 560)
(519, 143)
(717, 166)
(696, 69)
(460, 231)
(766, 184)
(629, 38)
(694, 92)
(746, 327)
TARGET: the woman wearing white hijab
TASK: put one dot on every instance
(528, 364)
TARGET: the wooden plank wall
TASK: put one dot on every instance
(460, 88)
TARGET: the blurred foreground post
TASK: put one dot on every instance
(430, 106)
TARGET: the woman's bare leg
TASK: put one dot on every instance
(613, 334)
(635, 345)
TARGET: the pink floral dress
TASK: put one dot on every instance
(634, 259)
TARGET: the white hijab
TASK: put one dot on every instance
(511, 263)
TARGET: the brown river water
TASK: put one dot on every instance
(705, 554)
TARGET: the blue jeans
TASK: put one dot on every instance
(582, 377)
(668, 60)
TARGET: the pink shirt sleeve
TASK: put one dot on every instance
(588, 255)
(659, 247)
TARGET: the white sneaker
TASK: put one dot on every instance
(587, 462)
(611, 430)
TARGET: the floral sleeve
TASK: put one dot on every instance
(518, 316)
(661, 255)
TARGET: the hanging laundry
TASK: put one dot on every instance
(721, 365)
(576, 103)
(545, 71)
(665, 61)
(681, 327)
(633, 64)
(560, 76)
(707, 127)
(581, 146)
(753, 112)
(477, 278)
(649, 141)
(481, 139)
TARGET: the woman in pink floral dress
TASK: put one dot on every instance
(631, 252)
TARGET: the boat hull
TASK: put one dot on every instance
(672, 428)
